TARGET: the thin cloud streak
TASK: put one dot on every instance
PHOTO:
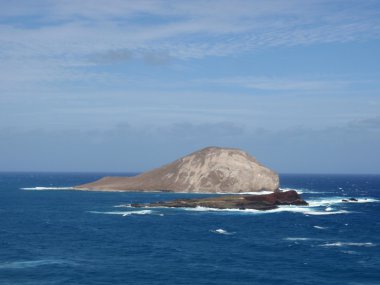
(61, 36)
(228, 29)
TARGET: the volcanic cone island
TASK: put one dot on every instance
(210, 170)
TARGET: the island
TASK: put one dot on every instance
(209, 170)
(212, 170)
(242, 202)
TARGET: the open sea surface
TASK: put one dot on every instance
(80, 237)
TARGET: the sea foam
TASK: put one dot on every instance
(47, 188)
(319, 227)
(340, 244)
(299, 239)
(222, 232)
(302, 190)
(124, 213)
(319, 202)
(292, 209)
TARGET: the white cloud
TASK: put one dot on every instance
(55, 40)
(183, 29)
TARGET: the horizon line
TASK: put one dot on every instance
(139, 172)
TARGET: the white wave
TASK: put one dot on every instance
(340, 244)
(205, 209)
(298, 238)
(299, 191)
(221, 232)
(329, 209)
(48, 188)
(302, 190)
(305, 211)
(293, 209)
(33, 263)
(320, 213)
(320, 202)
(125, 213)
(123, 206)
(319, 227)
(252, 193)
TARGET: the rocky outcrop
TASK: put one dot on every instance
(210, 170)
(350, 200)
(256, 202)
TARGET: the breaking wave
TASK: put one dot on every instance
(222, 232)
(298, 239)
(293, 209)
(123, 206)
(302, 190)
(47, 188)
(319, 227)
(340, 244)
(338, 200)
(125, 213)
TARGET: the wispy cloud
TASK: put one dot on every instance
(60, 36)
(183, 29)
(281, 83)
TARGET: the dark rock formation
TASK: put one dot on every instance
(350, 200)
(210, 170)
(256, 202)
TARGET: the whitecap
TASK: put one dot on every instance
(206, 209)
(340, 244)
(319, 227)
(33, 263)
(221, 232)
(323, 202)
(302, 190)
(305, 211)
(293, 209)
(123, 206)
(47, 188)
(320, 213)
(298, 239)
(124, 213)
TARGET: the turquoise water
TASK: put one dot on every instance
(74, 237)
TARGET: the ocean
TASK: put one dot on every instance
(78, 237)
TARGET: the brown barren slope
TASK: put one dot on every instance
(210, 170)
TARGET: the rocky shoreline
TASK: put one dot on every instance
(242, 202)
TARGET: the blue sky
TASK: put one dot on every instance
(129, 85)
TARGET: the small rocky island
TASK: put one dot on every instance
(210, 170)
(241, 202)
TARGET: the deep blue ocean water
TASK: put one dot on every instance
(75, 237)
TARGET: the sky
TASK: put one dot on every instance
(126, 86)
